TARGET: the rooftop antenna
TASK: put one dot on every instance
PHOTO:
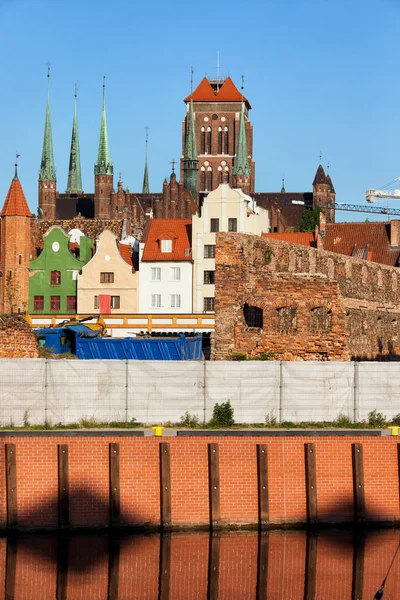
(48, 64)
(104, 87)
(320, 157)
(16, 165)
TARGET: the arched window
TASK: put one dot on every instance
(253, 316)
(219, 176)
(321, 319)
(55, 278)
(209, 180)
(203, 141)
(286, 319)
(226, 140)
(208, 142)
(226, 175)
(203, 180)
(219, 140)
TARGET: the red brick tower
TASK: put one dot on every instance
(324, 194)
(15, 249)
(47, 185)
(217, 106)
(103, 171)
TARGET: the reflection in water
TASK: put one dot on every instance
(283, 565)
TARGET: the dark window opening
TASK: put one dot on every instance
(209, 181)
(226, 141)
(203, 142)
(253, 316)
(71, 303)
(220, 141)
(203, 180)
(55, 278)
(219, 177)
(209, 140)
(106, 277)
(286, 322)
(321, 319)
(232, 225)
(209, 251)
(115, 302)
(38, 303)
(208, 304)
(214, 225)
(209, 277)
(55, 302)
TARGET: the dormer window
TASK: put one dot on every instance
(166, 245)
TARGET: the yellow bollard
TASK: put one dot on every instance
(158, 430)
(394, 429)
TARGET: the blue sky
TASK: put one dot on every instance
(321, 76)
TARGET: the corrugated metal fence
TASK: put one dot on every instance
(66, 391)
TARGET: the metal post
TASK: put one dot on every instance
(126, 390)
(280, 391)
(356, 403)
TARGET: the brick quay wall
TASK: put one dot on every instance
(97, 479)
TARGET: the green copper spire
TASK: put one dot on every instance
(241, 166)
(74, 172)
(103, 165)
(190, 159)
(145, 188)
(47, 171)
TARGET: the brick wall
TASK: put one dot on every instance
(89, 480)
(17, 339)
(363, 300)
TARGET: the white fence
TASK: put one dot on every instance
(66, 391)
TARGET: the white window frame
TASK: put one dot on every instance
(175, 274)
(155, 273)
(155, 301)
(166, 245)
(175, 300)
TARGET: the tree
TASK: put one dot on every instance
(310, 219)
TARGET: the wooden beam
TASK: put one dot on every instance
(213, 567)
(358, 567)
(310, 580)
(62, 567)
(11, 485)
(262, 567)
(311, 482)
(114, 485)
(165, 567)
(213, 484)
(358, 482)
(262, 478)
(165, 485)
(63, 486)
(113, 568)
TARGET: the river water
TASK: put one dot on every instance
(279, 565)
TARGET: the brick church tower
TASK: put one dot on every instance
(324, 194)
(15, 249)
(47, 184)
(103, 171)
(217, 108)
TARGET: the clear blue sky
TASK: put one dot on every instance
(320, 76)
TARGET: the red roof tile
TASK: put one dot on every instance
(362, 240)
(126, 252)
(304, 239)
(179, 230)
(228, 92)
(15, 204)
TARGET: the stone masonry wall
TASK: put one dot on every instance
(361, 299)
(17, 339)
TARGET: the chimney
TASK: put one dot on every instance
(395, 233)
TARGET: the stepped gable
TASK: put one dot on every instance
(370, 241)
(15, 204)
(177, 230)
(228, 92)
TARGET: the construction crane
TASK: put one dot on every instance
(376, 210)
(383, 192)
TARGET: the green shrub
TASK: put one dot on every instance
(264, 356)
(342, 420)
(188, 420)
(377, 419)
(396, 419)
(223, 415)
(26, 419)
(238, 356)
(88, 423)
(270, 420)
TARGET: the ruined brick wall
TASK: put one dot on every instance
(17, 339)
(363, 300)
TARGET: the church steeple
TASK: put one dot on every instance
(74, 185)
(103, 165)
(241, 166)
(145, 188)
(47, 171)
(190, 159)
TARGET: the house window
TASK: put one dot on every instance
(166, 245)
(253, 316)
(214, 225)
(155, 273)
(106, 277)
(115, 302)
(156, 301)
(232, 225)
(175, 274)
(54, 302)
(96, 302)
(209, 251)
(209, 276)
(20, 259)
(38, 303)
(208, 304)
(175, 300)
(286, 319)
(321, 319)
(55, 278)
(71, 303)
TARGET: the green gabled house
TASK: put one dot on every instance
(53, 275)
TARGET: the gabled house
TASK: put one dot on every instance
(109, 282)
(166, 267)
(53, 275)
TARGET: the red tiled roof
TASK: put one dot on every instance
(179, 230)
(304, 239)
(204, 92)
(126, 253)
(15, 204)
(369, 240)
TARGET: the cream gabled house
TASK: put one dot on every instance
(224, 209)
(109, 282)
